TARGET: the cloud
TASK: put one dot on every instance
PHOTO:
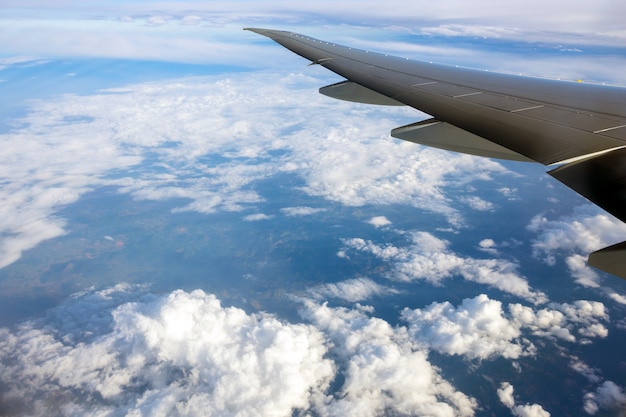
(488, 246)
(575, 236)
(509, 193)
(384, 372)
(479, 328)
(257, 217)
(20, 61)
(191, 32)
(191, 20)
(478, 203)
(618, 298)
(560, 320)
(584, 369)
(158, 20)
(182, 353)
(505, 394)
(608, 396)
(352, 290)
(379, 221)
(384, 171)
(428, 258)
(45, 167)
(125, 351)
(194, 142)
(300, 211)
(587, 229)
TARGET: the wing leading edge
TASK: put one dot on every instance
(580, 126)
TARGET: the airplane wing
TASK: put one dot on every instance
(579, 127)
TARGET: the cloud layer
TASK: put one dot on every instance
(479, 328)
(154, 25)
(186, 354)
(123, 351)
(574, 237)
(192, 32)
(428, 258)
(197, 142)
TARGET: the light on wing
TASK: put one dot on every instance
(443, 135)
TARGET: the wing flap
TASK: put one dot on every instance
(443, 135)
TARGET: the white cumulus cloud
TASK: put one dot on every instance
(181, 354)
(385, 373)
(505, 394)
(480, 328)
(124, 351)
(257, 217)
(428, 258)
(379, 221)
(584, 317)
(488, 246)
(476, 329)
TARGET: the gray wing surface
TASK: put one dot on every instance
(579, 127)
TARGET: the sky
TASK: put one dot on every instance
(112, 95)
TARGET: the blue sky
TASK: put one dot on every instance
(173, 102)
(203, 32)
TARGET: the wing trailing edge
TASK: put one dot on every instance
(443, 135)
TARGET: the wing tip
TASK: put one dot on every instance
(270, 33)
